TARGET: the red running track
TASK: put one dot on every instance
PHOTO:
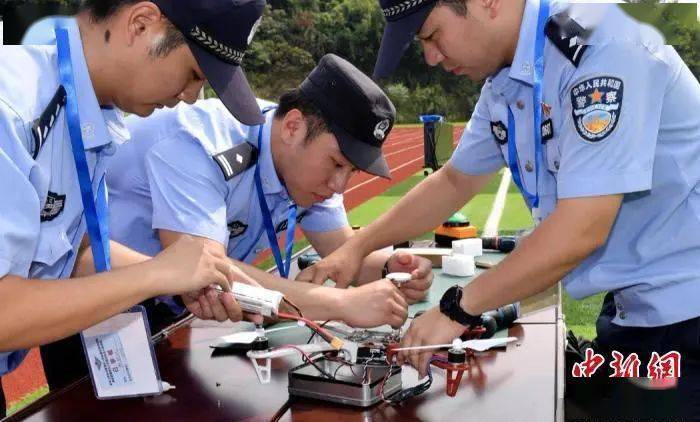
(404, 153)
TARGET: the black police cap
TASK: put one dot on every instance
(404, 18)
(218, 32)
(358, 111)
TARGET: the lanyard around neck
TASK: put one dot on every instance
(95, 208)
(533, 199)
(282, 265)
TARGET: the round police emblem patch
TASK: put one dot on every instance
(381, 128)
(597, 103)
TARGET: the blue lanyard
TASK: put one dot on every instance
(533, 199)
(95, 209)
(282, 266)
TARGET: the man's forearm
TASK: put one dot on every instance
(120, 256)
(421, 210)
(316, 302)
(34, 312)
(559, 244)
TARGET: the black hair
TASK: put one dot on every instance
(102, 10)
(459, 7)
(316, 123)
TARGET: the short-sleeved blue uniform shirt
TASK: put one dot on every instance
(167, 178)
(41, 212)
(620, 116)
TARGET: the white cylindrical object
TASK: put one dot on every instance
(399, 278)
(458, 265)
(473, 247)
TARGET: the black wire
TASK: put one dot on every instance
(314, 331)
(295, 307)
(411, 392)
(318, 368)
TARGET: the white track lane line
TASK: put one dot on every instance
(499, 202)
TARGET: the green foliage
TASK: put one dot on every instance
(295, 34)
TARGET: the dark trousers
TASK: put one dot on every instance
(618, 398)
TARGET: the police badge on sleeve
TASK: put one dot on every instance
(597, 103)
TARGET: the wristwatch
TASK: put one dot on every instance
(451, 308)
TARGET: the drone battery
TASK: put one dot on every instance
(347, 386)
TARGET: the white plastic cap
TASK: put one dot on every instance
(399, 277)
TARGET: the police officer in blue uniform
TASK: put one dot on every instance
(58, 128)
(195, 170)
(595, 118)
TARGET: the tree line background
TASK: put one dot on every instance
(295, 34)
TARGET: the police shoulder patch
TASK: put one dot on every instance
(53, 207)
(500, 132)
(596, 106)
(567, 35)
(236, 160)
(236, 228)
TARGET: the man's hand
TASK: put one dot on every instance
(190, 264)
(373, 304)
(210, 303)
(430, 328)
(341, 266)
(421, 275)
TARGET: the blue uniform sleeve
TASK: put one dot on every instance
(477, 151)
(326, 216)
(188, 194)
(20, 204)
(611, 111)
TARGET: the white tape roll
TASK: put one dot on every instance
(458, 265)
(471, 247)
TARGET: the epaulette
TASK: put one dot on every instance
(567, 35)
(236, 160)
(43, 125)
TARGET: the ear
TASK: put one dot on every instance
(493, 7)
(142, 19)
(294, 128)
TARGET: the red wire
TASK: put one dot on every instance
(311, 324)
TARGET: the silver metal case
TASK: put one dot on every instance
(347, 387)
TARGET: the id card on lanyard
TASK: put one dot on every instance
(532, 199)
(282, 265)
(119, 352)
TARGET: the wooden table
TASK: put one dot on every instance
(522, 383)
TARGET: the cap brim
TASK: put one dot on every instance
(398, 35)
(365, 157)
(230, 84)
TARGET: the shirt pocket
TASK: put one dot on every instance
(54, 245)
(552, 155)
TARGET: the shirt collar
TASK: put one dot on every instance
(523, 62)
(92, 120)
(268, 174)
(509, 80)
